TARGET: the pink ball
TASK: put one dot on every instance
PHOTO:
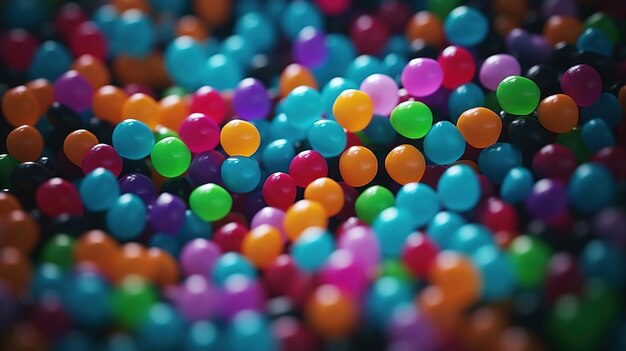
(383, 91)
(361, 242)
(496, 68)
(344, 271)
(272, 216)
(422, 76)
(199, 132)
(198, 257)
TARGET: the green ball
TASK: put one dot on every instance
(59, 250)
(604, 23)
(573, 140)
(530, 257)
(518, 95)
(373, 201)
(411, 119)
(7, 163)
(442, 8)
(171, 157)
(132, 300)
(163, 132)
(175, 90)
(210, 202)
(395, 269)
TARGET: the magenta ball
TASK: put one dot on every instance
(383, 91)
(309, 48)
(251, 100)
(422, 76)
(197, 299)
(496, 68)
(362, 243)
(271, 216)
(198, 257)
(583, 84)
(73, 90)
(199, 132)
(344, 271)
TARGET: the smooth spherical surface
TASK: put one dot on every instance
(411, 119)
(353, 109)
(422, 77)
(480, 127)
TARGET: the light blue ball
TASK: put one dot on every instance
(468, 238)
(47, 278)
(444, 144)
(466, 26)
(133, 139)
(303, 106)
(327, 137)
(168, 6)
(496, 270)
(312, 249)
(298, 15)
(194, 227)
(516, 185)
(86, 299)
(50, 61)
(463, 98)
(340, 52)
(162, 329)
(397, 44)
(258, 30)
(165, 242)
(105, 17)
(591, 188)
(277, 156)
(249, 330)
(332, 90)
(459, 188)
(134, 34)
(223, 72)
(597, 135)
(420, 200)
(384, 296)
(126, 218)
(497, 160)
(238, 47)
(229, 264)
(241, 174)
(442, 227)
(603, 261)
(184, 58)
(392, 226)
(363, 67)
(594, 40)
(203, 336)
(606, 107)
(380, 131)
(394, 65)
(99, 189)
(280, 128)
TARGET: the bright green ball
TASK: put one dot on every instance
(59, 250)
(518, 95)
(7, 163)
(132, 300)
(411, 119)
(530, 257)
(171, 157)
(373, 201)
(210, 202)
(442, 8)
(395, 269)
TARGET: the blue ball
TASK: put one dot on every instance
(170, 7)
(86, 299)
(594, 40)
(516, 185)
(463, 98)
(312, 249)
(258, 30)
(384, 296)
(591, 188)
(468, 238)
(597, 135)
(397, 44)
(184, 58)
(277, 156)
(340, 52)
(50, 61)
(459, 188)
(394, 65)
(47, 278)
(241, 174)
(420, 200)
(223, 72)
(497, 160)
(332, 90)
(105, 17)
(133, 139)
(75, 340)
(327, 137)
(444, 144)
(99, 189)
(497, 273)
(162, 329)
(280, 128)
(606, 107)
(298, 15)
(194, 227)
(466, 26)
(442, 226)
(249, 330)
(229, 264)
(120, 342)
(238, 48)
(134, 34)
(126, 218)
(392, 226)
(165, 242)
(203, 336)
(27, 14)
(363, 67)
(303, 106)
(604, 261)
(380, 131)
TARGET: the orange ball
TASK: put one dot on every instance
(94, 70)
(19, 230)
(20, 106)
(8, 203)
(173, 110)
(165, 267)
(25, 143)
(215, 12)
(133, 259)
(157, 73)
(15, 270)
(327, 193)
(77, 143)
(98, 248)
(129, 70)
(142, 108)
(427, 27)
(405, 164)
(480, 127)
(558, 113)
(262, 245)
(331, 313)
(107, 103)
(517, 339)
(192, 26)
(433, 302)
(294, 76)
(358, 166)
(302, 215)
(562, 29)
(43, 91)
(456, 276)
(24, 336)
(124, 5)
(483, 327)
(353, 109)
(516, 9)
(240, 138)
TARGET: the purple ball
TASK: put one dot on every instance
(362, 243)
(309, 48)
(140, 185)
(496, 68)
(568, 8)
(251, 100)
(271, 216)
(409, 326)
(611, 224)
(73, 90)
(198, 257)
(547, 200)
(167, 214)
(206, 167)
(8, 308)
(241, 293)
(542, 50)
(196, 299)
(583, 84)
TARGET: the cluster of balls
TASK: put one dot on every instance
(313, 175)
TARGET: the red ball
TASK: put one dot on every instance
(395, 14)
(230, 236)
(369, 35)
(57, 196)
(419, 254)
(17, 48)
(353, 140)
(292, 335)
(50, 317)
(208, 100)
(279, 190)
(349, 198)
(333, 7)
(612, 157)
(487, 189)
(102, 155)
(554, 161)
(88, 40)
(564, 276)
(68, 18)
(497, 215)
(307, 166)
(348, 224)
(458, 66)
(279, 275)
